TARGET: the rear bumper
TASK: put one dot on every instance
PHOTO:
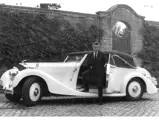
(151, 88)
(154, 81)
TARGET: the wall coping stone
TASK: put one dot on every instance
(113, 8)
(46, 10)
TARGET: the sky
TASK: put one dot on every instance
(147, 8)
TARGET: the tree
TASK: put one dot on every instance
(150, 50)
(37, 38)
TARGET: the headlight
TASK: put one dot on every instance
(13, 72)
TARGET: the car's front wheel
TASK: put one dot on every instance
(31, 91)
(134, 90)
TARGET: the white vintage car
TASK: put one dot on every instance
(30, 81)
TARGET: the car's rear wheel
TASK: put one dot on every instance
(134, 90)
(15, 97)
(31, 91)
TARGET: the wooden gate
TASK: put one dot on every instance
(121, 43)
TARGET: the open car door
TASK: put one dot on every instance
(76, 60)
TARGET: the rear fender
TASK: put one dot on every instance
(150, 87)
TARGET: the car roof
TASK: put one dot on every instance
(125, 56)
(108, 51)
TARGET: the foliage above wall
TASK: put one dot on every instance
(35, 37)
(150, 50)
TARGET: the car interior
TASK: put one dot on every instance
(83, 68)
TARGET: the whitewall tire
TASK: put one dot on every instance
(31, 91)
(134, 90)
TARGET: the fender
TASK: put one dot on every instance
(54, 86)
(151, 88)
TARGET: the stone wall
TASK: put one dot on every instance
(73, 17)
(104, 20)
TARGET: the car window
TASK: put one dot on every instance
(74, 58)
(112, 61)
(130, 60)
(120, 63)
(85, 61)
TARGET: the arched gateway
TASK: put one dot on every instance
(121, 36)
(121, 25)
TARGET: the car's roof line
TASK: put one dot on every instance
(105, 51)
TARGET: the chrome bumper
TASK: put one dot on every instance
(6, 91)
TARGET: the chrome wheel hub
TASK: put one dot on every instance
(134, 89)
(35, 91)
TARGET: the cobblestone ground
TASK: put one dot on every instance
(69, 106)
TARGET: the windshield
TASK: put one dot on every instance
(74, 58)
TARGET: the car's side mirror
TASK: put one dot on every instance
(24, 61)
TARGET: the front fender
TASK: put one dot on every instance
(54, 86)
(29, 72)
(150, 87)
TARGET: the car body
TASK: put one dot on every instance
(32, 80)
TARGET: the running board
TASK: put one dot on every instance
(114, 94)
(111, 94)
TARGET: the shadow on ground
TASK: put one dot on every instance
(72, 101)
(75, 101)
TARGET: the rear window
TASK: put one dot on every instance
(112, 61)
(120, 62)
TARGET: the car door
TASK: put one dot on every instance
(118, 70)
(72, 81)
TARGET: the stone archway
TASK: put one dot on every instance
(121, 36)
(131, 44)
